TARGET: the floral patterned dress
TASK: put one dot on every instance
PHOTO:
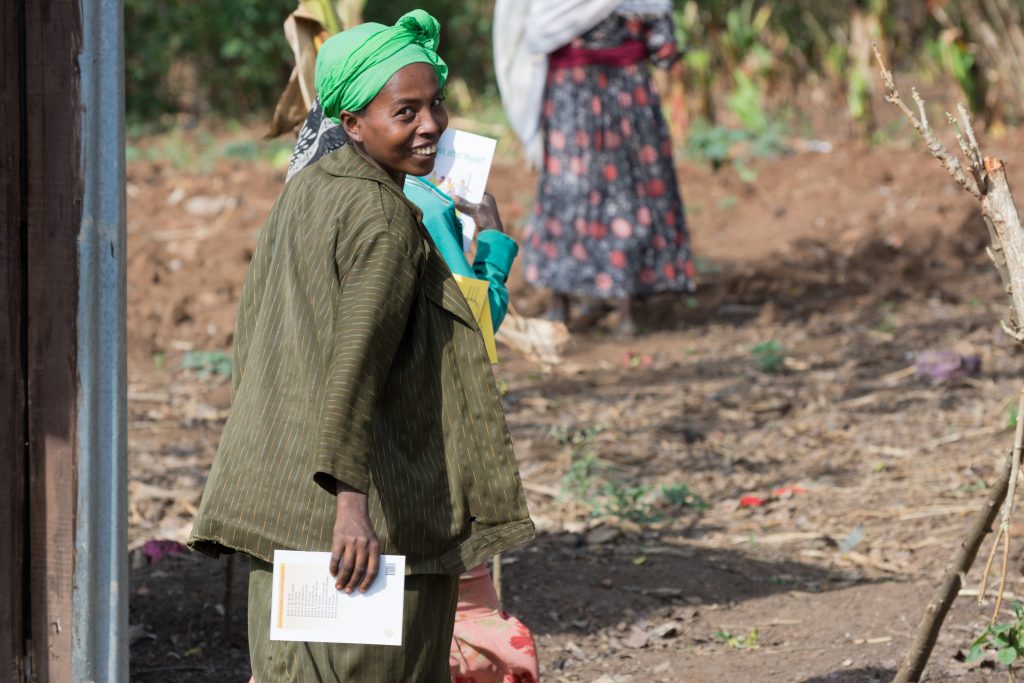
(608, 221)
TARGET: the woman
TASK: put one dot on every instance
(365, 418)
(488, 645)
(608, 221)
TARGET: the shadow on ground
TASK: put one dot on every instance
(869, 674)
(589, 588)
(813, 276)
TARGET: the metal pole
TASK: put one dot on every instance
(100, 589)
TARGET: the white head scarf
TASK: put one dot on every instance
(525, 32)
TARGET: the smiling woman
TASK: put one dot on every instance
(365, 418)
(399, 129)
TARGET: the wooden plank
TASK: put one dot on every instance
(53, 36)
(12, 368)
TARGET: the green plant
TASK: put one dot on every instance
(1007, 639)
(888, 321)
(207, 363)
(768, 356)
(706, 266)
(956, 58)
(682, 496)
(584, 464)
(743, 28)
(595, 481)
(745, 102)
(712, 144)
(720, 146)
(619, 499)
(738, 642)
(858, 94)
(973, 487)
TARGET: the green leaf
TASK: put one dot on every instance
(1008, 655)
(974, 654)
(1000, 628)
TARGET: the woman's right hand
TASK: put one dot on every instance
(355, 550)
(485, 213)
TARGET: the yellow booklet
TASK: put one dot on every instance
(475, 292)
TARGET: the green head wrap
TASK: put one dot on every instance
(354, 65)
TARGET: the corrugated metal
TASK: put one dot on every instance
(100, 593)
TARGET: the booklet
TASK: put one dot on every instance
(475, 292)
(307, 607)
(461, 169)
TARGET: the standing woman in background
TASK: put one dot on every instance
(608, 221)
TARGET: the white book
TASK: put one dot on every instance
(461, 169)
(307, 607)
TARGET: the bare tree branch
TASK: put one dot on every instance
(937, 149)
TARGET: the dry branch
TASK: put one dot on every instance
(985, 179)
(937, 149)
(954, 579)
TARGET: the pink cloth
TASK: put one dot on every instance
(488, 645)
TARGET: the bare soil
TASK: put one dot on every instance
(853, 262)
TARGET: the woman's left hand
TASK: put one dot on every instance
(485, 213)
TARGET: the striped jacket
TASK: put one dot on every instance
(357, 358)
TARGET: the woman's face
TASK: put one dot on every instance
(400, 128)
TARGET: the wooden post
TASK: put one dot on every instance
(40, 220)
(12, 371)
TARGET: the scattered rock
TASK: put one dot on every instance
(205, 207)
(669, 629)
(137, 632)
(600, 535)
(638, 638)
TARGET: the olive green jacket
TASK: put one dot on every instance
(357, 358)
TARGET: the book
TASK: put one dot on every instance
(305, 605)
(475, 292)
(461, 169)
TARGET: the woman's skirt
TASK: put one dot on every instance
(608, 221)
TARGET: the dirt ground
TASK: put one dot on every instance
(842, 268)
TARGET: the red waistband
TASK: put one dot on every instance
(621, 55)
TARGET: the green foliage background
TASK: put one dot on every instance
(235, 48)
(237, 51)
(235, 60)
